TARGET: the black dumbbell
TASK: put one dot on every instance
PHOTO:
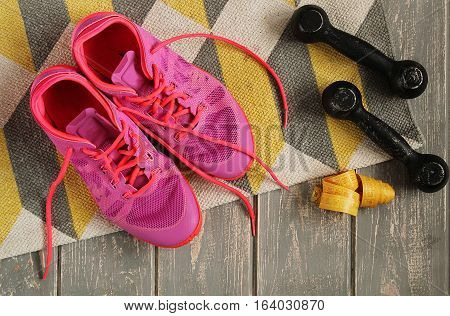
(342, 100)
(408, 79)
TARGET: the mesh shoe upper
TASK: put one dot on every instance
(165, 212)
(116, 55)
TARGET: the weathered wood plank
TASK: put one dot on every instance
(403, 248)
(21, 275)
(301, 249)
(217, 262)
(114, 264)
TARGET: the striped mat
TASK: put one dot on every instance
(36, 34)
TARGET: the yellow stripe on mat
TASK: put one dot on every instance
(79, 9)
(13, 37)
(249, 83)
(291, 2)
(82, 206)
(330, 66)
(194, 9)
(9, 193)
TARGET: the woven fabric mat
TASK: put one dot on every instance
(36, 34)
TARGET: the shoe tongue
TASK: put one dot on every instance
(93, 127)
(128, 73)
(100, 132)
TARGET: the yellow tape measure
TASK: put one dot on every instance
(347, 192)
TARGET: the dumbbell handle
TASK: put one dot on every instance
(343, 100)
(383, 135)
(310, 24)
(358, 50)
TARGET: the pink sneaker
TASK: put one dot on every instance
(136, 187)
(183, 107)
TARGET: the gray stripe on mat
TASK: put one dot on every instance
(33, 158)
(307, 130)
(136, 10)
(44, 23)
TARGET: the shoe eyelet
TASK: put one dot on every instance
(92, 156)
(176, 137)
(85, 151)
(150, 156)
(96, 156)
(156, 170)
(113, 184)
(103, 169)
(126, 195)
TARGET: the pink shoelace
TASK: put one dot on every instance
(128, 161)
(159, 86)
(154, 101)
(242, 48)
(173, 111)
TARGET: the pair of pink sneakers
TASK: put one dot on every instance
(136, 86)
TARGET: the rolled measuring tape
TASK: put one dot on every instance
(348, 191)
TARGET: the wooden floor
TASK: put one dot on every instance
(398, 249)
